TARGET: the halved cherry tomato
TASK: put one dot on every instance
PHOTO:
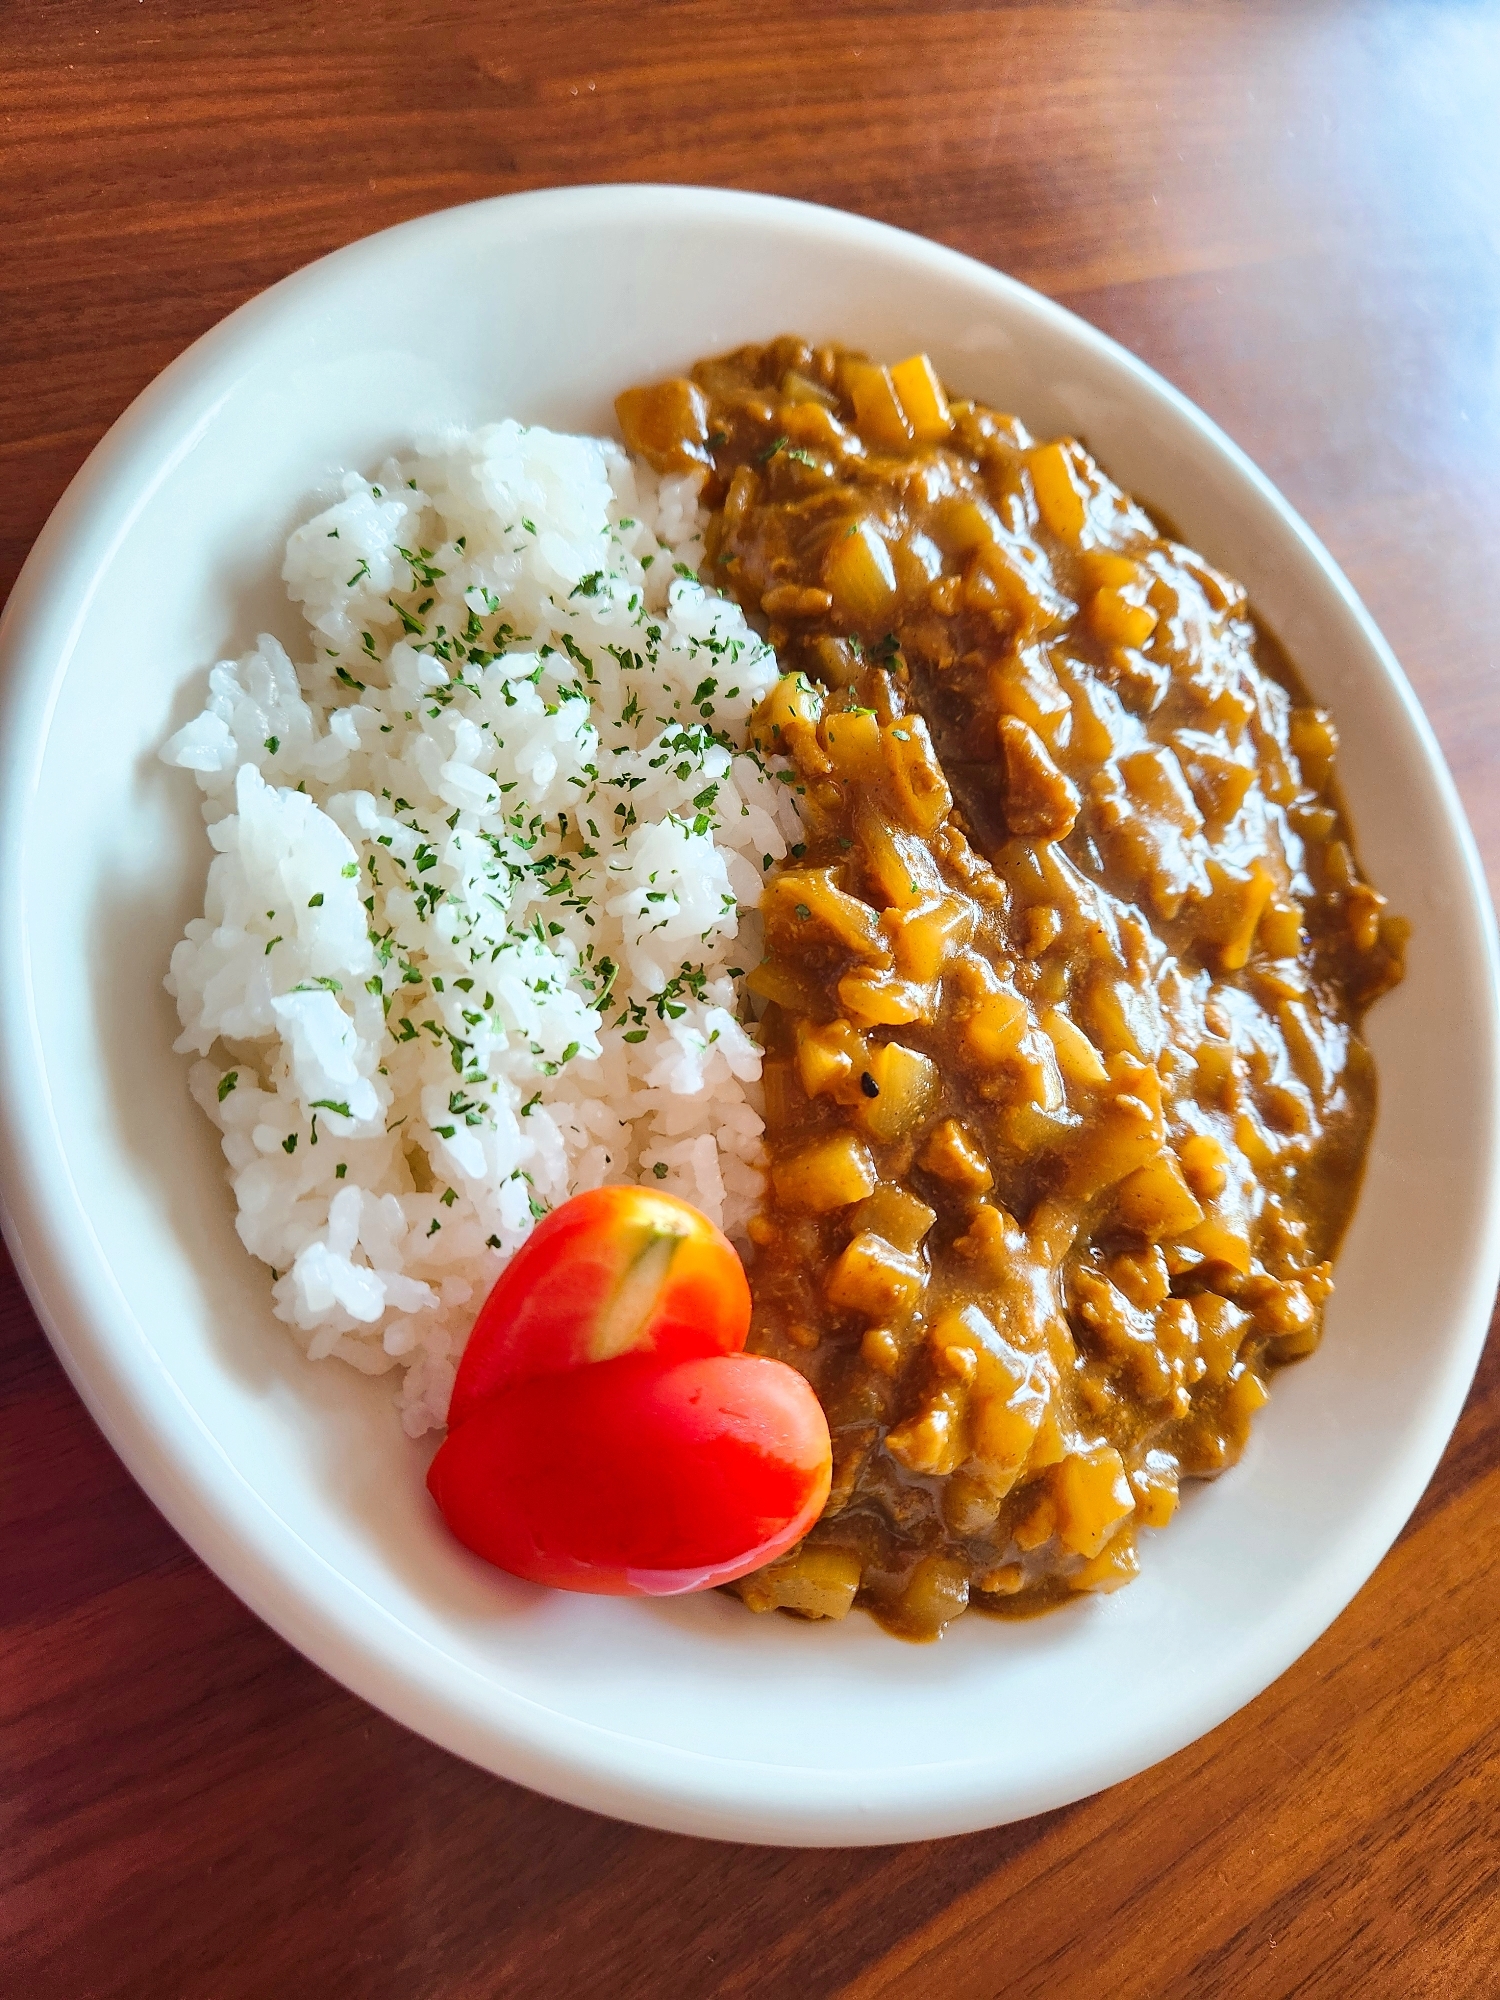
(638, 1476)
(617, 1270)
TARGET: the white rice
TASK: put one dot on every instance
(485, 878)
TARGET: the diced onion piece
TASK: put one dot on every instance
(793, 699)
(879, 999)
(1280, 930)
(916, 384)
(827, 1056)
(1080, 1062)
(773, 980)
(877, 407)
(925, 936)
(873, 1277)
(1221, 1327)
(1253, 1142)
(1026, 686)
(1247, 1394)
(1156, 1203)
(1222, 1241)
(936, 1593)
(667, 424)
(996, 1025)
(1115, 1564)
(1154, 1484)
(1006, 1417)
(815, 1583)
(901, 868)
(916, 775)
(814, 895)
(904, 1083)
(1315, 741)
(1205, 1165)
(897, 1215)
(797, 388)
(831, 1173)
(1103, 567)
(1057, 492)
(1232, 913)
(1093, 1496)
(860, 574)
(1124, 1136)
(962, 525)
(851, 738)
(1118, 622)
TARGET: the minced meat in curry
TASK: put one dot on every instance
(1065, 1100)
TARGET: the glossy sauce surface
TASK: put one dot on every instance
(1066, 1104)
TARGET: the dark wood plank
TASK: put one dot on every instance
(1290, 211)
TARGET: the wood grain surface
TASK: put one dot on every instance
(1291, 210)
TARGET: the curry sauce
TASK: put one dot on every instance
(1065, 1099)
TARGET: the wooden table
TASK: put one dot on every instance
(1291, 211)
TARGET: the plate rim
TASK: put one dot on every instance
(196, 1485)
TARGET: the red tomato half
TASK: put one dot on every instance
(638, 1477)
(617, 1270)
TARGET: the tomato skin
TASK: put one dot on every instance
(638, 1476)
(612, 1271)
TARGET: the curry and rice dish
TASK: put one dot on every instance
(1065, 1100)
(839, 830)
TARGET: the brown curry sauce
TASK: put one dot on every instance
(1066, 1104)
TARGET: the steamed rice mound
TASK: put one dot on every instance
(485, 872)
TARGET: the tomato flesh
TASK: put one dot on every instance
(613, 1271)
(638, 1476)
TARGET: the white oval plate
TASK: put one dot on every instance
(295, 1483)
